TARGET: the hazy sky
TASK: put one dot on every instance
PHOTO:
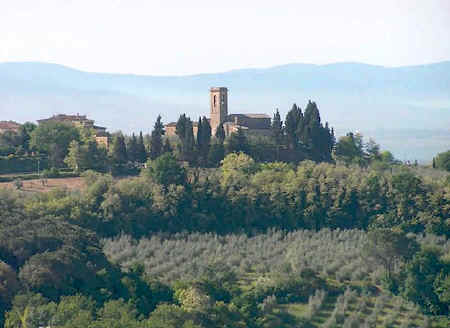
(195, 36)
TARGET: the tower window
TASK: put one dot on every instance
(215, 100)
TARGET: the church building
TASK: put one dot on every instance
(218, 97)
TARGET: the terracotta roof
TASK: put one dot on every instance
(9, 125)
(175, 124)
(66, 117)
(254, 115)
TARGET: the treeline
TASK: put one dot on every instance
(246, 195)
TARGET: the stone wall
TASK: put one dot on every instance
(250, 122)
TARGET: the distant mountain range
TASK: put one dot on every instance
(406, 109)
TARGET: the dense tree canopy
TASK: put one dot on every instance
(53, 139)
(442, 161)
(165, 170)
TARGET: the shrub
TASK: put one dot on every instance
(18, 183)
(165, 171)
(50, 173)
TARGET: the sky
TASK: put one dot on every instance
(178, 37)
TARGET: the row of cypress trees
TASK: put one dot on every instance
(304, 132)
(135, 150)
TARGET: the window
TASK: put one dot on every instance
(215, 100)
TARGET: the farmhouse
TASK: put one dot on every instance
(77, 120)
(101, 136)
(10, 126)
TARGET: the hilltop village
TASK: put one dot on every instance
(67, 140)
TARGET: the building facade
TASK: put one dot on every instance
(218, 98)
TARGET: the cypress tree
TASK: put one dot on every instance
(199, 135)
(167, 148)
(189, 145)
(185, 132)
(329, 142)
(96, 156)
(132, 149)
(119, 150)
(293, 123)
(206, 131)
(277, 128)
(216, 153)
(332, 139)
(318, 138)
(156, 143)
(203, 139)
(310, 135)
(141, 155)
(220, 133)
(180, 130)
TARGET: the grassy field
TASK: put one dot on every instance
(37, 185)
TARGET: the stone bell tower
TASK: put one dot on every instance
(219, 107)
